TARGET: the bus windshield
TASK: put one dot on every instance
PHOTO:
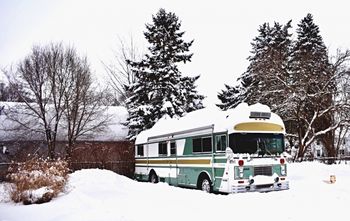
(257, 143)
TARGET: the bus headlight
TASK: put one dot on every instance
(283, 170)
(241, 172)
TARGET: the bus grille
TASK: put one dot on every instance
(263, 186)
(265, 170)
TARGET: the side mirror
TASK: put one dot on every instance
(228, 152)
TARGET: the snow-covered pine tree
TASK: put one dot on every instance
(268, 71)
(191, 99)
(267, 79)
(231, 96)
(310, 62)
(160, 89)
(313, 87)
(296, 79)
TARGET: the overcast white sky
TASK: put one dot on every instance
(222, 30)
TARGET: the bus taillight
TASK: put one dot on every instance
(240, 163)
(283, 167)
(282, 161)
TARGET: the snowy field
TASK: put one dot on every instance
(103, 195)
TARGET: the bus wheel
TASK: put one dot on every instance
(205, 184)
(153, 178)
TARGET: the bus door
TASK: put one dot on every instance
(173, 164)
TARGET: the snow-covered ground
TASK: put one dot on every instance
(103, 195)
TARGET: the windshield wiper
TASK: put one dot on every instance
(268, 151)
(263, 150)
(260, 148)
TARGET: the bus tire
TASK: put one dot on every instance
(204, 183)
(153, 178)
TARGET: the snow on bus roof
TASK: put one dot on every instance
(220, 120)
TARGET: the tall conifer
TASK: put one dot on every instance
(160, 89)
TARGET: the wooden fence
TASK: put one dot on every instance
(117, 156)
(331, 160)
(122, 167)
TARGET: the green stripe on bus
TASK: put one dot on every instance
(179, 161)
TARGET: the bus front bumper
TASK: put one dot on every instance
(260, 187)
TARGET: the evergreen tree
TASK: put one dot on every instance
(160, 89)
(231, 96)
(314, 86)
(268, 70)
(310, 62)
(296, 79)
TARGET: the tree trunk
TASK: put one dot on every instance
(50, 144)
(69, 150)
(328, 143)
(301, 153)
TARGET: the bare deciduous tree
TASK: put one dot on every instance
(327, 122)
(85, 112)
(56, 87)
(33, 74)
(341, 66)
(119, 72)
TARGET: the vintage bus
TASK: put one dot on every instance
(238, 150)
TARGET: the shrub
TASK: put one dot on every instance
(37, 180)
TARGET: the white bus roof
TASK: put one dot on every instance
(207, 119)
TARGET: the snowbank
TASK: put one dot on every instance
(103, 195)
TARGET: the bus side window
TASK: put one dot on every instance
(202, 145)
(162, 148)
(220, 142)
(197, 145)
(206, 142)
(139, 150)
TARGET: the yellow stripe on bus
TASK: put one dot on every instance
(258, 126)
